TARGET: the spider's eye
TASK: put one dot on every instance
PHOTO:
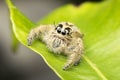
(64, 32)
(59, 27)
(68, 30)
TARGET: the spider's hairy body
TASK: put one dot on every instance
(64, 38)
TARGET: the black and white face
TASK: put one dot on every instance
(64, 29)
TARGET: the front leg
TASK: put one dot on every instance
(36, 33)
(72, 60)
(74, 54)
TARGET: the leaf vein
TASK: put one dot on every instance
(95, 68)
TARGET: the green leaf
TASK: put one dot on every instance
(100, 22)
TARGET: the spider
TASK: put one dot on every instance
(65, 38)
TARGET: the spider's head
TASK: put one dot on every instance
(67, 29)
(64, 28)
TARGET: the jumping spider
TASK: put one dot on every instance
(64, 38)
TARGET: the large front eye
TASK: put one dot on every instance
(59, 27)
(64, 32)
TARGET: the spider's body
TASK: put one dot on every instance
(64, 38)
